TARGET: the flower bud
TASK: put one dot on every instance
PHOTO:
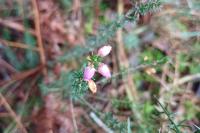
(104, 70)
(92, 86)
(88, 73)
(104, 51)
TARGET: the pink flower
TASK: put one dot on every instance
(104, 70)
(88, 73)
(104, 51)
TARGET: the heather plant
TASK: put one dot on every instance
(82, 80)
(97, 76)
(93, 62)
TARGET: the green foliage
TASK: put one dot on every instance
(194, 68)
(114, 124)
(172, 125)
(149, 123)
(151, 5)
(88, 16)
(152, 55)
(121, 103)
(10, 54)
(12, 58)
(185, 63)
(79, 86)
(148, 110)
(95, 59)
(14, 11)
(106, 32)
(143, 8)
(69, 84)
(131, 40)
(61, 85)
(191, 110)
(31, 57)
(179, 26)
(89, 26)
(141, 76)
(103, 6)
(65, 4)
(183, 58)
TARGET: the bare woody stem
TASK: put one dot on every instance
(12, 114)
(38, 34)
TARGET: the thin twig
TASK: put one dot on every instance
(73, 117)
(130, 87)
(169, 116)
(158, 79)
(17, 45)
(88, 104)
(183, 80)
(5, 64)
(188, 78)
(100, 123)
(133, 69)
(16, 26)
(197, 127)
(176, 72)
(19, 76)
(13, 114)
(38, 34)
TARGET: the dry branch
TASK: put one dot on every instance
(13, 114)
(38, 34)
(17, 45)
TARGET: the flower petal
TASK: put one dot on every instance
(92, 86)
(104, 70)
(104, 51)
(88, 73)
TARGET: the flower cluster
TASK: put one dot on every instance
(94, 65)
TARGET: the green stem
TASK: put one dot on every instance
(176, 129)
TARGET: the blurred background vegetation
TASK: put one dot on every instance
(155, 64)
